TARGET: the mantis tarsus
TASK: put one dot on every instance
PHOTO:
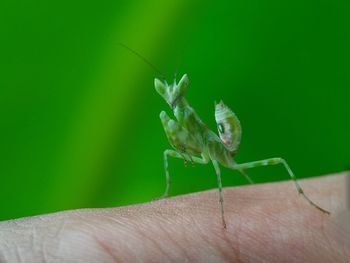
(194, 142)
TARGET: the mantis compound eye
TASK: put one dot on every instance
(221, 128)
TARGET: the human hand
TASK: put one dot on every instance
(265, 223)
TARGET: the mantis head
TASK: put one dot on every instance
(172, 93)
(229, 127)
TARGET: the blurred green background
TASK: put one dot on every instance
(80, 117)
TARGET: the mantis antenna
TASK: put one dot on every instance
(179, 60)
(161, 75)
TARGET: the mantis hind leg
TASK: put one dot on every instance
(246, 176)
(274, 161)
(178, 155)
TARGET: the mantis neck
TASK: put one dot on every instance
(181, 109)
(187, 116)
(181, 104)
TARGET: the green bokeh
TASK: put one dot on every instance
(79, 114)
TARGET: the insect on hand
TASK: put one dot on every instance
(193, 141)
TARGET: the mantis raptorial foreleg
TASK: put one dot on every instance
(175, 154)
(274, 161)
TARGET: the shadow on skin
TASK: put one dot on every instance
(266, 222)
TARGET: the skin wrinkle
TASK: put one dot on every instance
(11, 244)
(167, 231)
(44, 252)
(17, 253)
(237, 235)
(171, 249)
(345, 235)
(325, 237)
(33, 237)
(249, 239)
(297, 240)
(217, 242)
(40, 249)
(283, 226)
(4, 245)
(55, 240)
(106, 249)
(40, 243)
(298, 250)
(201, 229)
(114, 220)
(209, 245)
(185, 234)
(6, 248)
(173, 242)
(217, 238)
(200, 232)
(341, 237)
(124, 230)
(140, 229)
(246, 201)
(276, 222)
(60, 229)
(267, 217)
(331, 247)
(324, 228)
(228, 240)
(59, 233)
(79, 244)
(111, 247)
(228, 254)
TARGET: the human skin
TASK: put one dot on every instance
(265, 223)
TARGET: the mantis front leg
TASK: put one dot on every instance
(175, 154)
(274, 161)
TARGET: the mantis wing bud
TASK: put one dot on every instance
(229, 126)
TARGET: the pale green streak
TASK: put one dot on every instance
(106, 106)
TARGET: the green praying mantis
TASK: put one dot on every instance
(194, 142)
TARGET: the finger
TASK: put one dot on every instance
(264, 223)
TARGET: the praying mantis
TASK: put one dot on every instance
(193, 141)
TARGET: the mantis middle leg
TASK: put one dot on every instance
(175, 154)
(221, 195)
(274, 161)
